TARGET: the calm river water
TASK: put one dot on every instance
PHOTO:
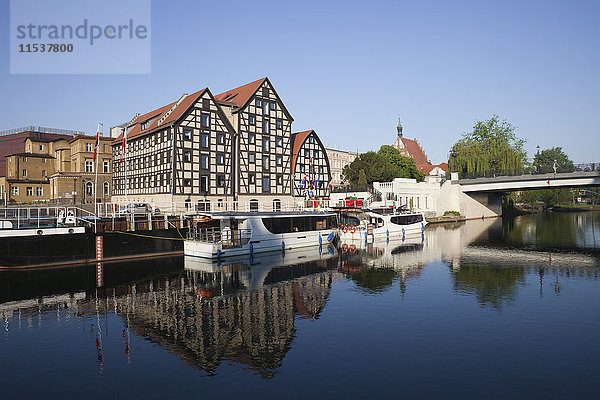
(506, 308)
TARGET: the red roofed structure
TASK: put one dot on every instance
(412, 148)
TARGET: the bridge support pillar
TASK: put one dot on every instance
(481, 204)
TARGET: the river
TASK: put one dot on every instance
(501, 308)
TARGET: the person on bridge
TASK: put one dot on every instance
(555, 167)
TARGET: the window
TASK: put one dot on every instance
(265, 107)
(187, 156)
(29, 191)
(43, 161)
(276, 205)
(316, 153)
(252, 120)
(204, 140)
(265, 183)
(258, 103)
(251, 138)
(89, 188)
(272, 105)
(39, 191)
(205, 120)
(306, 153)
(204, 183)
(89, 166)
(204, 161)
(279, 160)
(279, 142)
(251, 179)
(187, 134)
(265, 162)
(220, 180)
(24, 159)
(280, 179)
(106, 189)
(266, 125)
(254, 205)
(106, 166)
(220, 159)
(251, 158)
(220, 138)
(89, 147)
(15, 190)
(266, 145)
(44, 173)
(278, 124)
(187, 182)
(24, 173)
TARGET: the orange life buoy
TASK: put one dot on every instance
(344, 228)
(352, 249)
(344, 248)
(352, 229)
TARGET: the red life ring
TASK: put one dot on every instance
(344, 248)
(352, 229)
(344, 228)
(352, 249)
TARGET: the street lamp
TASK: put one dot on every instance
(453, 155)
(539, 168)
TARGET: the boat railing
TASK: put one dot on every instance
(229, 238)
(40, 217)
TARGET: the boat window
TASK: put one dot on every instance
(254, 205)
(406, 219)
(346, 219)
(299, 223)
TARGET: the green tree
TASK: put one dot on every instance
(492, 147)
(383, 166)
(362, 177)
(407, 166)
(544, 161)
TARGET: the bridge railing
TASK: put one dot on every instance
(491, 174)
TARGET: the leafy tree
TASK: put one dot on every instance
(545, 161)
(492, 146)
(362, 177)
(407, 165)
(383, 166)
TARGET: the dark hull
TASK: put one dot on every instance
(58, 250)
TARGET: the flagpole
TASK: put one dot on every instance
(96, 145)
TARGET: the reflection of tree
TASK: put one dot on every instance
(374, 280)
(494, 286)
(545, 230)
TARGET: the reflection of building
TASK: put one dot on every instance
(39, 166)
(338, 159)
(310, 166)
(412, 148)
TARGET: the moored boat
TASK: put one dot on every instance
(367, 225)
(226, 234)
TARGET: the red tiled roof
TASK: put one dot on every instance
(297, 139)
(415, 151)
(427, 168)
(178, 110)
(240, 95)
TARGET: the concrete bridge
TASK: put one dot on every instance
(488, 191)
(528, 182)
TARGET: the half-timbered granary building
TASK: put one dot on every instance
(177, 153)
(264, 128)
(310, 166)
(234, 146)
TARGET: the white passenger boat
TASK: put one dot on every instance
(226, 234)
(374, 225)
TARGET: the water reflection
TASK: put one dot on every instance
(246, 311)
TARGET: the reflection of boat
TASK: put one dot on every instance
(226, 234)
(374, 225)
(253, 270)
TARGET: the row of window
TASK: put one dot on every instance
(89, 166)
(29, 191)
(265, 123)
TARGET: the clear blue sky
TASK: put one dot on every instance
(348, 69)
